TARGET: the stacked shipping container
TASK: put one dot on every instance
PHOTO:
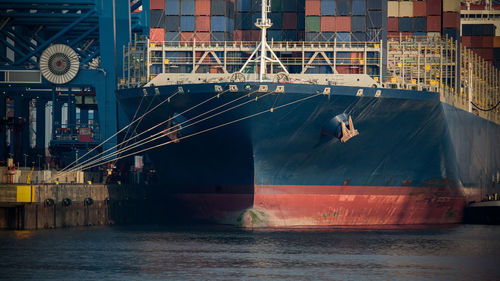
(185, 20)
(480, 36)
(423, 18)
(344, 20)
(287, 17)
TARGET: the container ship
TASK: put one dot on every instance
(320, 115)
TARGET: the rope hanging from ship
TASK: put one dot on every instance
(118, 154)
(165, 133)
(489, 109)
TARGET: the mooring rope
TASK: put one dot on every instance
(208, 129)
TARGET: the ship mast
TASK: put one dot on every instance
(264, 23)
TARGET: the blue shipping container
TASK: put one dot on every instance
(343, 36)
(420, 24)
(217, 8)
(289, 5)
(343, 7)
(172, 23)
(157, 19)
(301, 22)
(243, 21)
(374, 19)
(377, 5)
(218, 23)
(358, 24)
(451, 32)
(312, 36)
(172, 36)
(358, 36)
(328, 7)
(276, 35)
(187, 7)
(290, 35)
(218, 36)
(328, 36)
(405, 24)
(358, 7)
(277, 20)
(187, 23)
(172, 7)
(229, 24)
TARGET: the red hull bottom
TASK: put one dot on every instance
(292, 206)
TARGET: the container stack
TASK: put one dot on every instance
(185, 20)
(423, 18)
(287, 17)
(481, 36)
(344, 20)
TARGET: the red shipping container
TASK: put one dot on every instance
(157, 34)
(215, 69)
(476, 42)
(451, 20)
(202, 36)
(313, 8)
(237, 35)
(242, 35)
(488, 41)
(477, 6)
(202, 23)
(496, 6)
(255, 36)
(485, 53)
(289, 20)
(392, 24)
(187, 36)
(328, 24)
(419, 8)
(356, 57)
(157, 4)
(202, 7)
(434, 8)
(433, 24)
(466, 41)
(343, 24)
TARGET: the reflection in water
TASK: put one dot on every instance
(454, 253)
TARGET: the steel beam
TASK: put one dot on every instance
(56, 36)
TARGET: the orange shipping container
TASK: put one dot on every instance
(451, 20)
(328, 24)
(420, 8)
(466, 41)
(434, 24)
(313, 8)
(187, 36)
(496, 42)
(202, 36)
(343, 24)
(488, 41)
(202, 23)
(201, 8)
(157, 34)
(157, 4)
(393, 24)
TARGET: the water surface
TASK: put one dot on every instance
(464, 252)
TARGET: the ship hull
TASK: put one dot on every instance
(285, 167)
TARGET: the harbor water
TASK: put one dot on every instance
(460, 252)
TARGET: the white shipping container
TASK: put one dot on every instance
(392, 8)
(406, 9)
(451, 6)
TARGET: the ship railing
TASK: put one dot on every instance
(463, 79)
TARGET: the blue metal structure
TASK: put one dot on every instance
(97, 30)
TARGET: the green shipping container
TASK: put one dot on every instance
(277, 5)
(313, 24)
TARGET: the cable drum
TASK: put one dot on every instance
(59, 64)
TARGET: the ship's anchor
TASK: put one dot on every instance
(348, 131)
(172, 132)
(338, 128)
